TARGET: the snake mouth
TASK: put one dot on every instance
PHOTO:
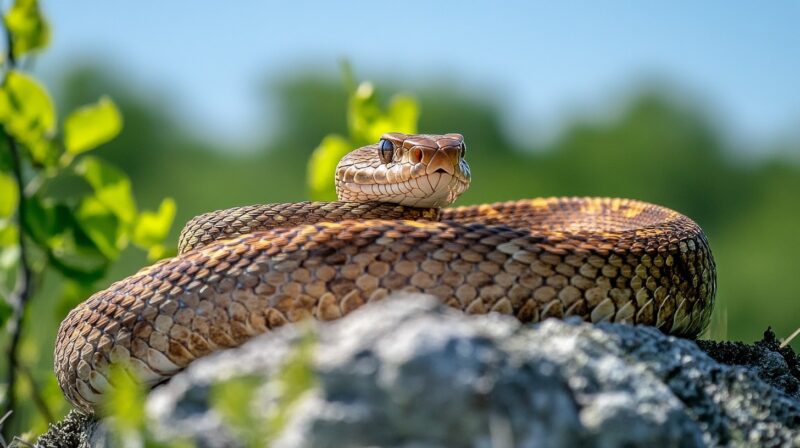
(437, 189)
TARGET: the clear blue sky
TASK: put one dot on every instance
(542, 61)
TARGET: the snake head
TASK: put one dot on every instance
(421, 170)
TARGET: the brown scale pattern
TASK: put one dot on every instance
(600, 259)
(202, 230)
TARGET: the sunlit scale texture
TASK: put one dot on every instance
(223, 224)
(599, 259)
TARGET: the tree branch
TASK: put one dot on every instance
(23, 291)
(19, 299)
(12, 58)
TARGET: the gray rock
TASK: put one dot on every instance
(409, 372)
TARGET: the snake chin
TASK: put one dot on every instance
(438, 189)
(441, 190)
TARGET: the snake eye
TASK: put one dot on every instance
(463, 149)
(385, 151)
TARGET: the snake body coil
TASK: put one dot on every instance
(245, 271)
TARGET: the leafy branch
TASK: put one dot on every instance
(19, 299)
(16, 19)
(366, 122)
(61, 210)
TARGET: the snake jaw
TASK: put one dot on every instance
(424, 171)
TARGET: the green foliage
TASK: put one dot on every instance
(153, 227)
(25, 22)
(9, 194)
(124, 406)
(27, 114)
(235, 398)
(8, 197)
(8, 235)
(233, 401)
(293, 380)
(322, 165)
(75, 213)
(366, 122)
(91, 126)
(5, 312)
(111, 186)
(125, 402)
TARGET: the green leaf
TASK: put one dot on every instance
(158, 251)
(9, 248)
(294, 379)
(366, 123)
(29, 30)
(91, 126)
(44, 152)
(102, 226)
(322, 167)
(403, 115)
(232, 399)
(153, 227)
(85, 264)
(26, 110)
(112, 187)
(125, 401)
(297, 375)
(54, 228)
(8, 233)
(9, 195)
(5, 312)
(41, 220)
(362, 111)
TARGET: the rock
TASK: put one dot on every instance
(73, 431)
(409, 372)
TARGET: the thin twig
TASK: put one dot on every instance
(12, 59)
(19, 441)
(788, 340)
(3, 420)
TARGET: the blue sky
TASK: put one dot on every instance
(543, 62)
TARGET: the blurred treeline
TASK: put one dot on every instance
(654, 147)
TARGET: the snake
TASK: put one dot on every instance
(246, 271)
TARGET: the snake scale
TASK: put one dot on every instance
(245, 271)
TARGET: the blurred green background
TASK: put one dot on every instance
(653, 139)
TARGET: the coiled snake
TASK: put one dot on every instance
(244, 271)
